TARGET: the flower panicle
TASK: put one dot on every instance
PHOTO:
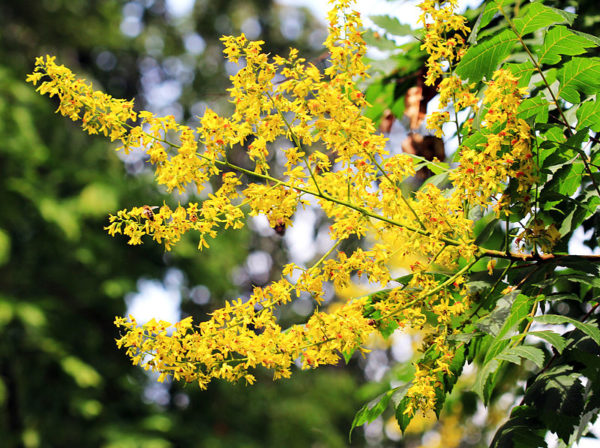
(333, 157)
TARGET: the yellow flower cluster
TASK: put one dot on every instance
(430, 306)
(242, 336)
(445, 52)
(505, 155)
(480, 175)
(452, 90)
(440, 22)
(336, 159)
(166, 226)
(540, 235)
(98, 112)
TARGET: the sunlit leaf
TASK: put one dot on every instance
(561, 41)
(535, 16)
(579, 75)
(482, 60)
(588, 115)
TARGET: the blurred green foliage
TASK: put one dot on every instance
(62, 279)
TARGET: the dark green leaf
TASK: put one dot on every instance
(558, 395)
(375, 407)
(486, 232)
(589, 329)
(533, 354)
(518, 432)
(554, 339)
(402, 417)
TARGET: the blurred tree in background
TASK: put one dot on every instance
(62, 280)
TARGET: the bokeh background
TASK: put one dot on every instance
(63, 279)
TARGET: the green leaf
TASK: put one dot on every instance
(375, 407)
(387, 328)
(473, 141)
(391, 25)
(404, 372)
(402, 418)
(435, 167)
(482, 21)
(589, 329)
(483, 387)
(482, 377)
(535, 16)
(481, 60)
(491, 9)
(565, 180)
(515, 355)
(523, 71)
(589, 37)
(507, 355)
(590, 280)
(562, 296)
(579, 75)
(588, 115)
(348, 354)
(438, 180)
(573, 219)
(519, 311)
(554, 339)
(562, 41)
(378, 41)
(493, 322)
(484, 230)
(536, 106)
(456, 366)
